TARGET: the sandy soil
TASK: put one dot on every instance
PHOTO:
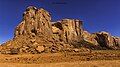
(103, 63)
(69, 59)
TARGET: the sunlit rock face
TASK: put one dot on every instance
(34, 30)
(68, 31)
(90, 38)
(35, 21)
(36, 34)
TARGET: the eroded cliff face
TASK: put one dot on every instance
(105, 40)
(36, 34)
(90, 38)
(69, 31)
(101, 40)
(35, 22)
(33, 34)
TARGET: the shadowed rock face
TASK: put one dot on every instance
(107, 41)
(117, 42)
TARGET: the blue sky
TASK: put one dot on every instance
(97, 15)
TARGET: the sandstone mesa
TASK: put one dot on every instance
(36, 34)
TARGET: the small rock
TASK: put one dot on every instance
(76, 50)
(40, 49)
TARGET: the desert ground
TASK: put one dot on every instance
(100, 63)
(97, 58)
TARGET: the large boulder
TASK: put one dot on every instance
(40, 49)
